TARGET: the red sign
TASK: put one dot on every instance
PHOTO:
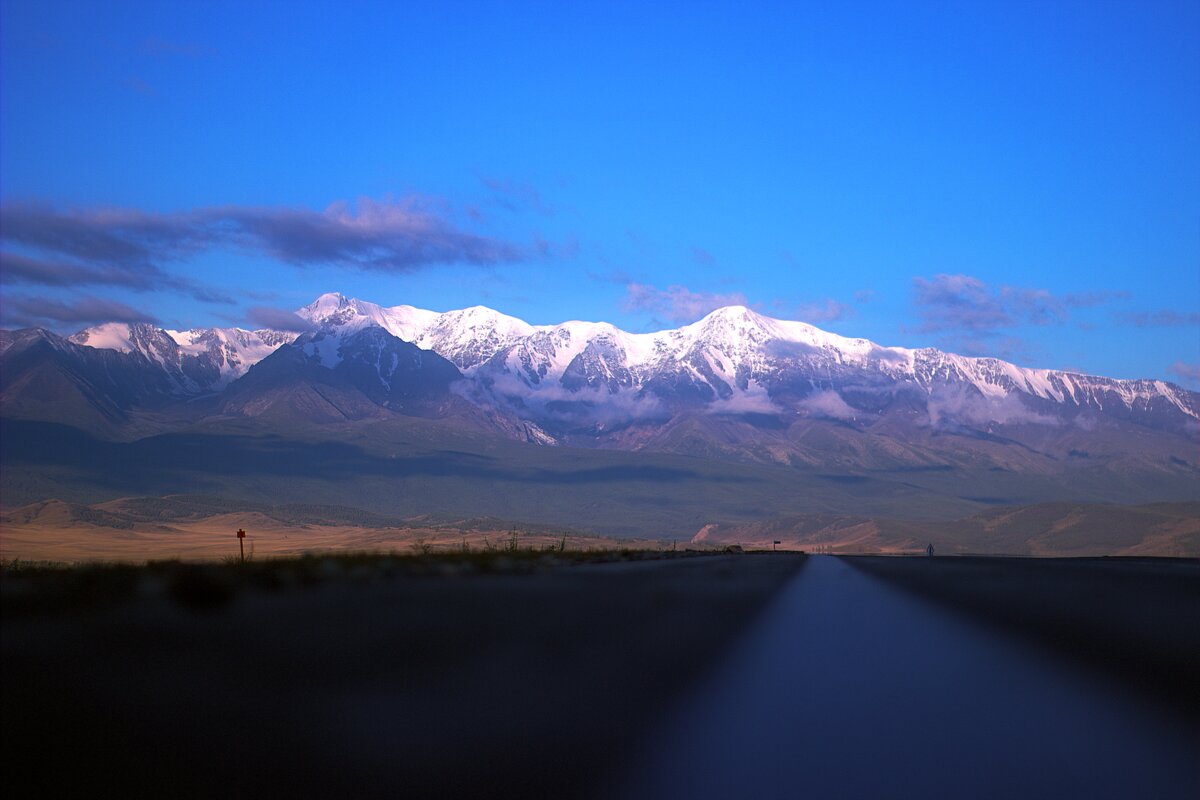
(241, 534)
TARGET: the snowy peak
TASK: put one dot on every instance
(231, 350)
(122, 337)
(325, 305)
(334, 310)
(466, 337)
(733, 323)
(195, 361)
(470, 336)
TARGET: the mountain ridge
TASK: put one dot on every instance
(727, 354)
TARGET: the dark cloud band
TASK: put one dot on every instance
(39, 311)
(277, 319)
(21, 269)
(128, 247)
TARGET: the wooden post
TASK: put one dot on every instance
(241, 534)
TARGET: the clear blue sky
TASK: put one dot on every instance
(1014, 179)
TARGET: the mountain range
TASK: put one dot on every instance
(734, 388)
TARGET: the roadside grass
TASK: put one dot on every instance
(41, 586)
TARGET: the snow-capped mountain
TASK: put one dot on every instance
(195, 361)
(736, 360)
(735, 385)
(593, 383)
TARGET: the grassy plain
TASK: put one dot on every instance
(60, 532)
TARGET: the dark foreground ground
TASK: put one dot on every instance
(514, 677)
(756, 675)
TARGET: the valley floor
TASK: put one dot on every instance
(61, 539)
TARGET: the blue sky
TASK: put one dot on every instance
(1011, 179)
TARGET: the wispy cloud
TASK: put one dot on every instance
(514, 195)
(1159, 319)
(680, 305)
(610, 276)
(276, 319)
(677, 303)
(963, 302)
(960, 303)
(139, 86)
(25, 311)
(154, 46)
(702, 257)
(130, 247)
(1188, 374)
(989, 344)
(974, 315)
(1092, 299)
(828, 310)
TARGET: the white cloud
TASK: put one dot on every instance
(827, 404)
(950, 406)
(678, 303)
(753, 400)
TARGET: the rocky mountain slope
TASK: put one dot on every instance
(195, 361)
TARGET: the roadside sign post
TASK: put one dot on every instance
(774, 542)
(241, 534)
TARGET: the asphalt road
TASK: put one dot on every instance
(850, 687)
